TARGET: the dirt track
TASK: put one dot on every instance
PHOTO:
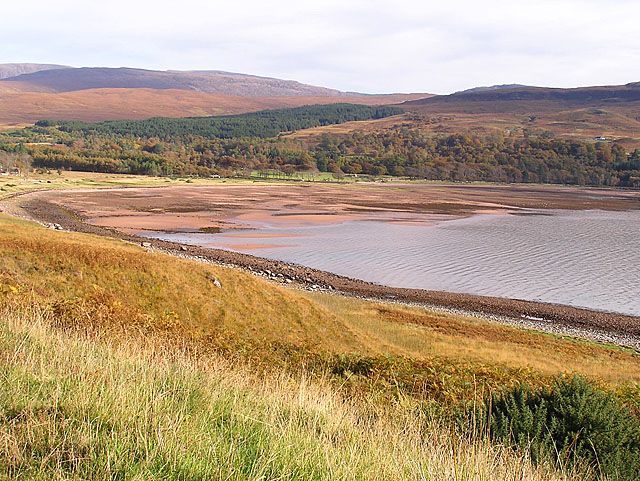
(595, 325)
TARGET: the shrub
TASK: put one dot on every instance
(571, 422)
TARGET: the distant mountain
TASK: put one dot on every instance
(502, 93)
(65, 93)
(213, 81)
(586, 113)
(8, 70)
(491, 88)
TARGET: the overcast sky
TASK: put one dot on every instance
(358, 45)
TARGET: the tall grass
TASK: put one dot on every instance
(75, 407)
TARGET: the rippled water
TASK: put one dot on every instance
(581, 258)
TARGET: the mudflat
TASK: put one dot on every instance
(184, 208)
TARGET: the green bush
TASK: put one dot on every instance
(571, 422)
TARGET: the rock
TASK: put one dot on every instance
(288, 281)
(183, 248)
(146, 244)
(214, 280)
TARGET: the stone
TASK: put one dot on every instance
(214, 280)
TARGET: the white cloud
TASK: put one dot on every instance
(374, 46)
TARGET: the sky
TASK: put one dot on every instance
(368, 46)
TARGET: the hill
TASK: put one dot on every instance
(585, 113)
(8, 70)
(30, 93)
(529, 99)
(210, 81)
(493, 87)
(18, 107)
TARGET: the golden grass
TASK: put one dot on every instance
(419, 334)
(15, 184)
(75, 408)
(111, 283)
(619, 122)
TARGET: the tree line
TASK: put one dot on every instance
(404, 151)
(492, 158)
(262, 124)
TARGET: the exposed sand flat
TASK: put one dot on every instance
(242, 206)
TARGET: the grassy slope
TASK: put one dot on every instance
(20, 106)
(619, 122)
(73, 408)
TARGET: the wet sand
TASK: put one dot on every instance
(76, 210)
(184, 209)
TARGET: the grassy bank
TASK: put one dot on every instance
(14, 184)
(75, 408)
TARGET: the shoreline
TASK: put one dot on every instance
(600, 326)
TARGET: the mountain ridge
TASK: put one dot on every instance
(621, 93)
(9, 70)
(208, 81)
(491, 88)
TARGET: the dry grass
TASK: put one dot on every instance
(18, 106)
(619, 122)
(109, 283)
(421, 334)
(74, 408)
(15, 184)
